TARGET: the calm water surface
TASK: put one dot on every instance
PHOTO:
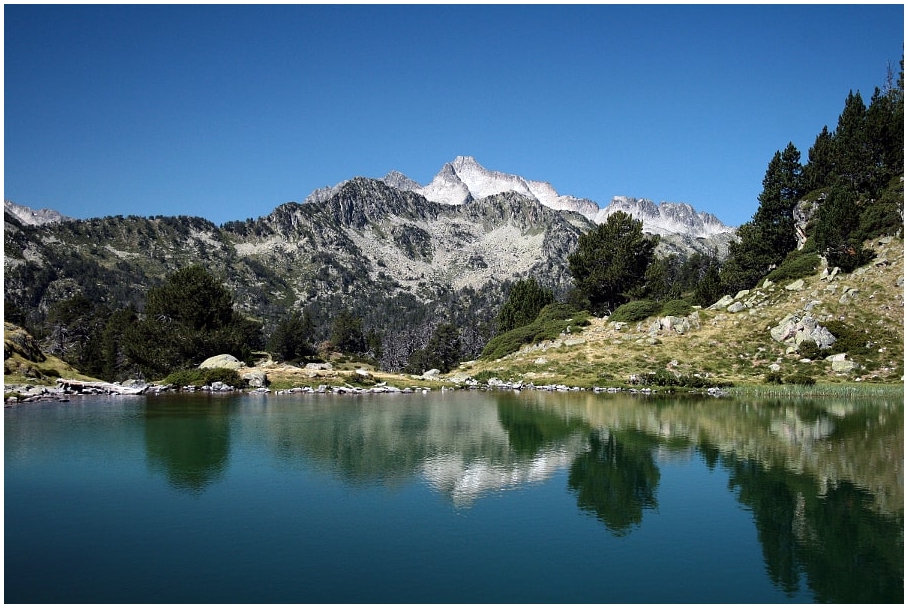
(454, 497)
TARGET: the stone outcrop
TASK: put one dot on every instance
(793, 330)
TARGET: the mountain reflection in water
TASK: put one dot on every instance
(823, 479)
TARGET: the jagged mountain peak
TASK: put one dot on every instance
(398, 180)
(464, 179)
(666, 217)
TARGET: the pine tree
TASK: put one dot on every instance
(292, 338)
(770, 235)
(836, 232)
(820, 168)
(188, 319)
(347, 333)
(611, 261)
(526, 298)
(852, 158)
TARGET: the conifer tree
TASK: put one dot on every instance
(820, 168)
(611, 261)
(766, 239)
(526, 298)
(852, 158)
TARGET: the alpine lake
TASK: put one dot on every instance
(454, 497)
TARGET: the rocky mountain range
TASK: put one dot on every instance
(383, 248)
(464, 180)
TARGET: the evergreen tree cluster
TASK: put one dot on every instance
(854, 173)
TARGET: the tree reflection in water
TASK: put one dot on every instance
(847, 551)
(189, 442)
(616, 479)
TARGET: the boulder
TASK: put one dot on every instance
(678, 324)
(843, 366)
(318, 367)
(693, 319)
(722, 303)
(795, 285)
(255, 378)
(792, 330)
(226, 361)
(736, 307)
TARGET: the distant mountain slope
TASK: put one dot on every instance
(395, 258)
(464, 180)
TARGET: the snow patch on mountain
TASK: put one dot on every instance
(464, 180)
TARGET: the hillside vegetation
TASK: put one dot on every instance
(718, 346)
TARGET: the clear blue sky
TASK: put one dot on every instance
(226, 112)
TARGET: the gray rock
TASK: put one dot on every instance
(318, 367)
(810, 305)
(226, 361)
(843, 366)
(793, 330)
(724, 302)
(796, 285)
(677, 324)
(694, 320)
(736, 307)
(255, 378)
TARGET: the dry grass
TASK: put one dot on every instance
(729, 347)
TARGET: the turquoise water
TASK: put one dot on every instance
(455, 497)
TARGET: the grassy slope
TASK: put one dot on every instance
(733, 347)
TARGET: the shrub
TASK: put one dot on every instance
(773, 378)
(637, 310)
(809, 349)
(664, 377)
(802, 379)
(676, 308)
(204, 377)
(848, 339)
(484, 376)
(552, 320)
(796, 265)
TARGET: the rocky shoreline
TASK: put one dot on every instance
(19, 394)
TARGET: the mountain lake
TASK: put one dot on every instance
(454, 497)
